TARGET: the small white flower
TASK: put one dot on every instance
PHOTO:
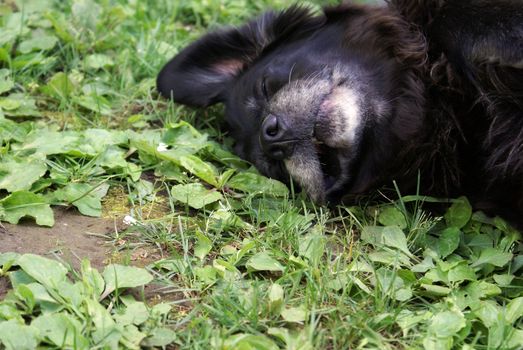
(162, 147)
(129, 220)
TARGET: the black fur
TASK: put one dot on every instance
(436, 88)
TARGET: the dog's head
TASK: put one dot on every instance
(319, 99)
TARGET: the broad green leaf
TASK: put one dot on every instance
(22, 105)
(294, 314)
(447, 323)
(503, 280)
(481, 289)
(112, 158)
(18, 174)
(92, 279)
(487, 311)
(448, 241)
(275, 297)
(32, 6)
(514, 310)
(206, 274)
(9, 104)
(97, 88)
(132, 337)
(104, 330)
(312, 246)
(403, 294)
(515, 339)
(392, 284)
(59, 86)
(40, 293)
(227, 158)
(390, 216)
(41, 42)
(390, 236)
(498, 335)
(60, 25)
(203, 245)
(225, 219)
(95, 103)
(85, 197)
(390, 257)
(294, 340)
(437, 343)
(195, 195)
(461, 272)
(18, 277)
(143, 189)
(16, 336)
(10, 312)
(517, 263)
(61, 330)
(48, 142)
(160, 337)
(21, 204)
(251, 183)
(171, 171)
(46, 271)
(263, 262)
(424, 266)
(198, 167)
(372, 235)
(459, 213)
(492, 256)
(337, 282)
(248, 342)
(119, 276)
(26, 294)
(394, 237)
(10, 130)
(161, 309)
(407, 319)
(87, 13)
(12, 26)
(247, 246)
(99, 139)
(97, 61)
(6, 83)
(184, 136)
(134, 312)
(7, 259)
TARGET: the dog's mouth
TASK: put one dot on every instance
(330, 164)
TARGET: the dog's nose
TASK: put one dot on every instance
(276, 138)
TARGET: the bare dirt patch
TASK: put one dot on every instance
(72, 238)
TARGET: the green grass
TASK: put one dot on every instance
(247, 264)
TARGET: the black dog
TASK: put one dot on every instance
(348, 100)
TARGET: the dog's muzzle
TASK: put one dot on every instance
(277, 138)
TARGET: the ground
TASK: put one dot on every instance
(72, 238)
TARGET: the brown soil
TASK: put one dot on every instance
(72, 238)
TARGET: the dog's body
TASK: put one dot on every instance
(347, 101)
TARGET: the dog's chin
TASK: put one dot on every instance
(320, 170)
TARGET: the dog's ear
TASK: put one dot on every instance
(199, 75)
